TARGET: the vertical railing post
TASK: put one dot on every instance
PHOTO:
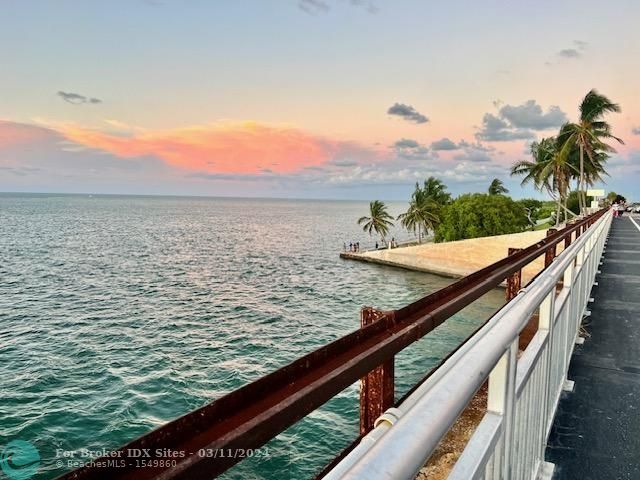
(550, 254)
(569, 284)
(578, 296)
(581, 269)
(377, 387)
(514, 281)
(567, 240)
(501, 399)
(546, 315)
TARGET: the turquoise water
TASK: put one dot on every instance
(120, 313)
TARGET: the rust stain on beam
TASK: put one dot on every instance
(514, 281)
(551, 253)
(567, 240)
(377, 387)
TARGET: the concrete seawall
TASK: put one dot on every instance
(457, 259)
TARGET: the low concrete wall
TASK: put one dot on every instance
(460, 258)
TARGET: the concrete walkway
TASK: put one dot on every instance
(460, 258)
(596, 434)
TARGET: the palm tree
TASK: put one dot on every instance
(379, 219)
(412, 220)
(497, 187)
(589, 136)
(436, 190)
(420, 217)
(424, 208)
(548, 171)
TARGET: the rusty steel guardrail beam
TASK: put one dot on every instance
(245, 419)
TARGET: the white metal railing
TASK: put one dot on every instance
(509, 442)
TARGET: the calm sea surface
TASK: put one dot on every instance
(118, 314)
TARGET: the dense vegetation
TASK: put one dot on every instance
(480, 215)
(431, 210)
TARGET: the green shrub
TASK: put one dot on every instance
(546, 212)
(480, 215)
(532, 210)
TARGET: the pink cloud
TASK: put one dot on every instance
(244, 148)
(14, 134)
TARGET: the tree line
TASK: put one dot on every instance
(433, 210)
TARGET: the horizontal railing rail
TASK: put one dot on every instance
(523, 393)
(247, 418)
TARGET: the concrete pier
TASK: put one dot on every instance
(457, 259)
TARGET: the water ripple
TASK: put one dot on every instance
(119, 314)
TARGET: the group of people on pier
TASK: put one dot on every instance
(354, 247)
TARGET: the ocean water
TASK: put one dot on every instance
(120, 313)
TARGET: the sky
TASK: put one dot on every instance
(346, 99)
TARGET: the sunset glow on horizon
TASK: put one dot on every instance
(244, 148)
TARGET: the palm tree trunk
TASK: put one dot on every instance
(558, 213)
(560, 202)
(581, 199)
